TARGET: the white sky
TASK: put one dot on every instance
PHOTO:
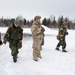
(29, 8)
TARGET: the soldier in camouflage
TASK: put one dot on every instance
(61, 37)
(37, 34)
(14, 37)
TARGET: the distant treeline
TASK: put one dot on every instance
(49, 22)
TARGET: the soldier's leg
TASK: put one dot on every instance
(64, 46)
(17, 53)
(35, 55)
(14, 49)
(14, 53)
(58, 45)
(39, 48)
(35, 49)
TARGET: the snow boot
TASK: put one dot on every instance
(35, 60)
(57, 49)
(64, 51)
(15, 59)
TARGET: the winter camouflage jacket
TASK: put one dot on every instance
(13, 33)
(36, 33)
(62, 33)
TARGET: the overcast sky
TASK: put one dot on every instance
(29, 8)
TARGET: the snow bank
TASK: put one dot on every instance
(48, 31)
(3, 29)
(25, 30)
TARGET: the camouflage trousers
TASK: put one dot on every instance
(62, 43)
(14, 48)
(36, 48)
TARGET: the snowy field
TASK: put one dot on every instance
(52, 63)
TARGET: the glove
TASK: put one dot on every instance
(39, 30)
(42, 29)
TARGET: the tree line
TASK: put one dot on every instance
(50, 22)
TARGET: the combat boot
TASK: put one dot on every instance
(64, 50)
(57, 49)
(35, 59)
(14, 59)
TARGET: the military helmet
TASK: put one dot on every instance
(37, 17)
(16, 22)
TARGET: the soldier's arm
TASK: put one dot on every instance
(42, 29)
(7, 34)
(65, 32)
(21, 35)
(39, 30)
(33, 30)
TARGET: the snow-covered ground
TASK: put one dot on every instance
(52, 62)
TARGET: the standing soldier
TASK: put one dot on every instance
(37, 35)
(14, 37)
(61, 37)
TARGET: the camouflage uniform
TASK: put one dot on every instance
(61, 37)
(14, 37)
(37, 39)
